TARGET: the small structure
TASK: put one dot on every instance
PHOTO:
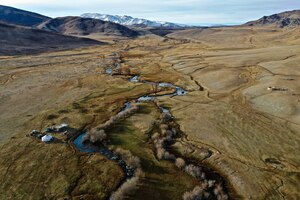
(61, 127)
(180, 91)
(35, 133)
(109, 71)
(49, 129)
(134, 79)
(47, 138)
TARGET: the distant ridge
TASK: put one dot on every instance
(85, 26)
(22, 40)
(284, 19)
(130, 21)
(20, 17)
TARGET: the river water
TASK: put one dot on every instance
(88, 147)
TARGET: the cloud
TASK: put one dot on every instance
(181, 11)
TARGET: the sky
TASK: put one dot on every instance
(193, 12)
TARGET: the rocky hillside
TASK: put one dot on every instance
(284, 19)
(85, 26)
(20, 17)
(21, 40)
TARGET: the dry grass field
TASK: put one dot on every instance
(253, 133)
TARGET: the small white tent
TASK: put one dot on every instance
(47, 138)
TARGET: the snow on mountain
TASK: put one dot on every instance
(128, 20)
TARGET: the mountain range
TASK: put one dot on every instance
(27, 32)
(85, 26)
(130, 21)
(284, 19)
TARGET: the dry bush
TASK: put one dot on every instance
(128, 186)
(196, 194)
(168, 138)
(180, 163)
(160, 152)
(220, 194)
(193, 170)
(166, 117)
(155, 136)
(211, 183)
(98, 136)
(159, 143)
(163, 127)
(174, 131)
(170, 133)
(201, 192)
(169, 156)
(95, 135)
(120, 116)
(131, 160)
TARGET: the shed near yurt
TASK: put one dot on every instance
(47, 138)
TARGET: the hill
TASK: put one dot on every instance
(20, 17)
(130, 21)
(284, 19)
(22, 40)
(85, 26)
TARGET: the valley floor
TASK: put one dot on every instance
(242, 106)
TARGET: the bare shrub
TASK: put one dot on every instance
(193, 170)
(211, 183)
(163, 132)
(166, 117)
(155, 136)
(127, 187)
(170, 133)
(120, 116)
(131, 160)
(169, 156)
(130, 184)
(180, 163)
(160, 153)
(196, 194)
(98, 136)
(218, 191)
(86, 138)
(174, 131)
(168, 138)
(95, 135)
(163, 127)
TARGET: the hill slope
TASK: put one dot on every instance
(130, 21)
(20, 17)
(284, 19)
(85, 26)
(21, 40)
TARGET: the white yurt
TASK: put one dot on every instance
(47, 138)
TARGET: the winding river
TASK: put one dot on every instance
(87, 147)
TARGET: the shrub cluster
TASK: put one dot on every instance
(130, 184)
(98, 134)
